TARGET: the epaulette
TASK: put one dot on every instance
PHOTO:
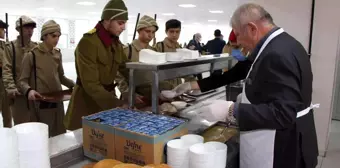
(57, 49)
(92, 31)
(125, 46)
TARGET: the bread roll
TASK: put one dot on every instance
(107, 163)
(127, 166)
(150, 166)
(163, 166)
(90, 165)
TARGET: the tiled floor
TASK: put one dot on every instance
(332, 159)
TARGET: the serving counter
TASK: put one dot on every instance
(66, 149)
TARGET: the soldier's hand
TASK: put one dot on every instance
(12, 93)
(34, 95)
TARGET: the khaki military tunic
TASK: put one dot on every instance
(145, 89)
(14, 52)
(4, 102)
(45, 74)
(97, 67)
(167, 46)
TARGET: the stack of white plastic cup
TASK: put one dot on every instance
(178, 154)
(220, 154)
(9, 155)
(192, 139)
(202, 156)
(33, 145)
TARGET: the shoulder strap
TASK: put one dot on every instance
(35, 71)
(130, 52)
(14, 62)
(162, 43)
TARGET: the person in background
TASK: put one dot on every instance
(43, 72)
(275, 115)
(98, 57)
(215, 46)
(11, 69)
(4, 102)
(195, 43)
(146, 28)
(170, 44)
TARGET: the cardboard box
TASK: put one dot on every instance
(98, 140)
(142, 149)
(102, 141)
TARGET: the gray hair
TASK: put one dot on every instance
(249, 12)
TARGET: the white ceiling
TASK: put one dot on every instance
(70, 9)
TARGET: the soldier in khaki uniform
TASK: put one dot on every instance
(14, 53)
(43, 72)
(170, 44)
(146, 28)
(98, 56)
(4, 104)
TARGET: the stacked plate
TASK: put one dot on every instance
(33, 145)
(9, 155)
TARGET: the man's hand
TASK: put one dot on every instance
(34, 95)
(216, 110)
(138, 100)
(12, 93)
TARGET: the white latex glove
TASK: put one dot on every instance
(177, 91)
(216, 110)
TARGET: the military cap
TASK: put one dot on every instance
(26, 21)
(49, 27)
(3, 25)
(146, 21)
(115, 10)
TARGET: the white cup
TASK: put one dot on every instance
(201, 156)
(220, 153)
(9, 154)
(177, 154)
(192, 139)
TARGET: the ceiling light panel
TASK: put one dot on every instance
(187, 5)
(86, 3)
(216, 11)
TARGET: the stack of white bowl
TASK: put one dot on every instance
(33, 145)
(190, 151)
(9, 155)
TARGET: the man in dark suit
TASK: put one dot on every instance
(275, 115)
(215, 46)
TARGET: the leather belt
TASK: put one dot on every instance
(109, 87)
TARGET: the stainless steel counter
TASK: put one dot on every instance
(66, 150)
(172, 70)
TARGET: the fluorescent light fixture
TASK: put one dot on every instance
(216, 11)
(212, 20)
(187, 5)
(132, 16)
(168, 14)
(46, 9)
(86, 3)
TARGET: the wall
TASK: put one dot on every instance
(324, 60)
